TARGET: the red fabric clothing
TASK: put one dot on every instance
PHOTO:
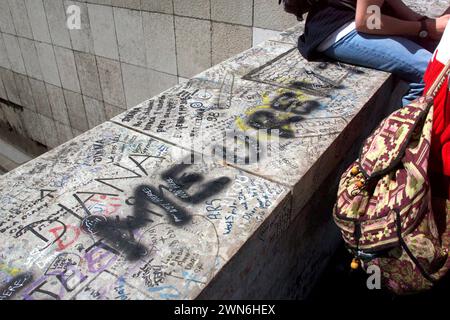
(440, 142)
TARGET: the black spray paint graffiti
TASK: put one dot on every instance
(120, 233)
(288, 109)
(17, 283)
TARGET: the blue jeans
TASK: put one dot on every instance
(400, 56)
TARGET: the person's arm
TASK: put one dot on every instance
(396, 26)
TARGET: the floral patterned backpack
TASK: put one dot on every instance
(384, 206)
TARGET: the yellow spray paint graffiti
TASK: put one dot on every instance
(279, 110)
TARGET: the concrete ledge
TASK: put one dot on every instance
(120, 212)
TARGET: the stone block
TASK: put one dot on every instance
(162, 6)
(9, 83)
(25, 93)
(130, 36)
(4, 60)
(111, 82)
(76, 110)
(14, 119)
(232, 11)
(229, 40)
(269, 15)
(103, 31)
(95, 112)
(81, 39)
(6, 21)
(159, 82)
(20, 18)
(193, 45)
(159, 34)
(57, 22)
(136, 84)
(38, 20)
(40, 97)
(112, 111)
(48, 64)
(57, 103)
(32, 124)
(88, 75)
(51, 134)
(192, 8)
(64, 132)
(30, 58)
(129, 4)
(14, 54)
(3, 94)
(103, 2)
(67, 69)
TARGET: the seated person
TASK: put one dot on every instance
(343, 30)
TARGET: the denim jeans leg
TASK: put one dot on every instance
(400, 56)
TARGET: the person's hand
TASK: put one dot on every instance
(436, 27)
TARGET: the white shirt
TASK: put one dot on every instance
(336, 36)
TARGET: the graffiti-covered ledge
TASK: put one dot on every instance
(208, 190)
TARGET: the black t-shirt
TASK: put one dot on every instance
(324, 19)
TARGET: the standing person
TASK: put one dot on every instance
(439, 170)
(344, 30)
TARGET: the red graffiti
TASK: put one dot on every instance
(56, 232)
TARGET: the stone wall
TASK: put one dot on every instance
(61, 82)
